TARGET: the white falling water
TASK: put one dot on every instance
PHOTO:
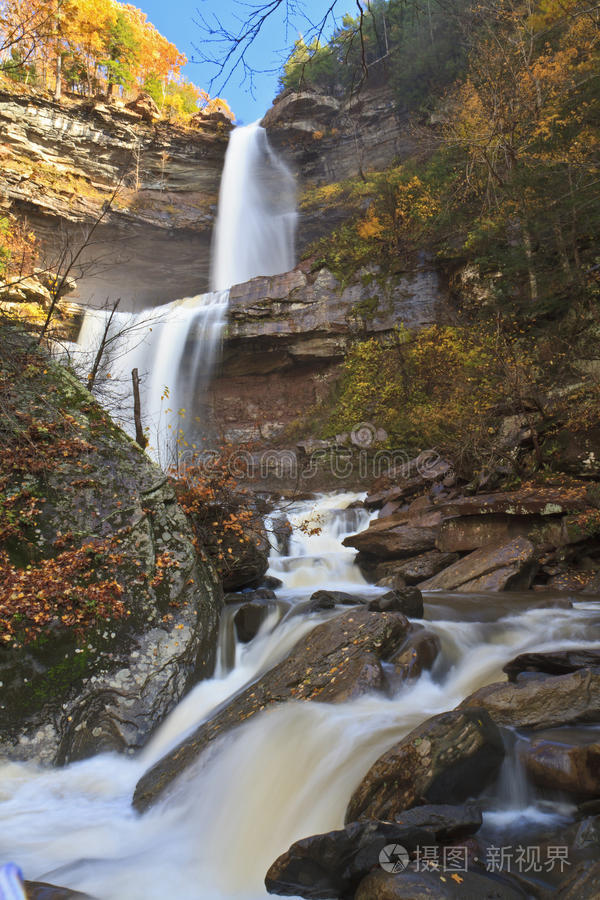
(175, 346)
(285, 774)
(256, 225)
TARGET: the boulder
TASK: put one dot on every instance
(329, 599)
(248, 620)
(593, 585)
(247, 562)
(495, 568)
(271, 583)
(405, 600)
(281, 529)
(417, 654)
(472, 532)
(407, 487)
(533, 500)
(581, 882)
(448, 823)
(447, 759)
(103, 673)
(144, 106)
(393, 538)
(256, 596)
(479, 885)
(330, 865)
(392, 582)
(557, 662)
(541, 701)
(417, 568)
(338, 660)
(572, 581)
(564, 760)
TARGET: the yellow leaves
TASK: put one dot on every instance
(370, 227)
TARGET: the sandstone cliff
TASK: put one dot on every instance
(61, 162)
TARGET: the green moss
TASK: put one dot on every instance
(367, 308)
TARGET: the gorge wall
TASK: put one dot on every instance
(287, 335)
(61, 162)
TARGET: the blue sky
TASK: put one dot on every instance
(176, 20)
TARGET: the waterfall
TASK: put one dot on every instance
(175, 346)
(256, 224)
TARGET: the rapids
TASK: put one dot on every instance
(287, 773)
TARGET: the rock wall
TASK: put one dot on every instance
(61, 162)
(325, 140)
(287, 335)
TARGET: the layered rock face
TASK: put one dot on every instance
(61, 162)
(287, 335)
(325, 140)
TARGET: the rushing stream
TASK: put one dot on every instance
(287, 773)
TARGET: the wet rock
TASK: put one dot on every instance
(472, 532)
(281, 529)
(332, 865)
(330, 599)
(552, 602)
(572, 581)
(564, 760)
(248, 620)
(380, 885)
(542, 701)
(418, 568)
(408, 487)
(534, 500)
(448, 823)
(557, 662)
(271, 583)
(496, 568)
(262, 593)
(582, 882)
(336, 661)
(247, 563)
(447, 759)
(393, 582)
(393, 538)
(588, 833)
(405, 600)
(593, 585)
(417, 655)
(40, 890)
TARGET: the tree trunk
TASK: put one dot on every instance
(140, 437)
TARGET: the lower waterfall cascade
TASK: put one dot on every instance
(289, 772)
(175, 346)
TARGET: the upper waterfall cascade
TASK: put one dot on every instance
(175, 346)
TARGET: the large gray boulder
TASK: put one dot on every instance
(102, 669)
(447, 759)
